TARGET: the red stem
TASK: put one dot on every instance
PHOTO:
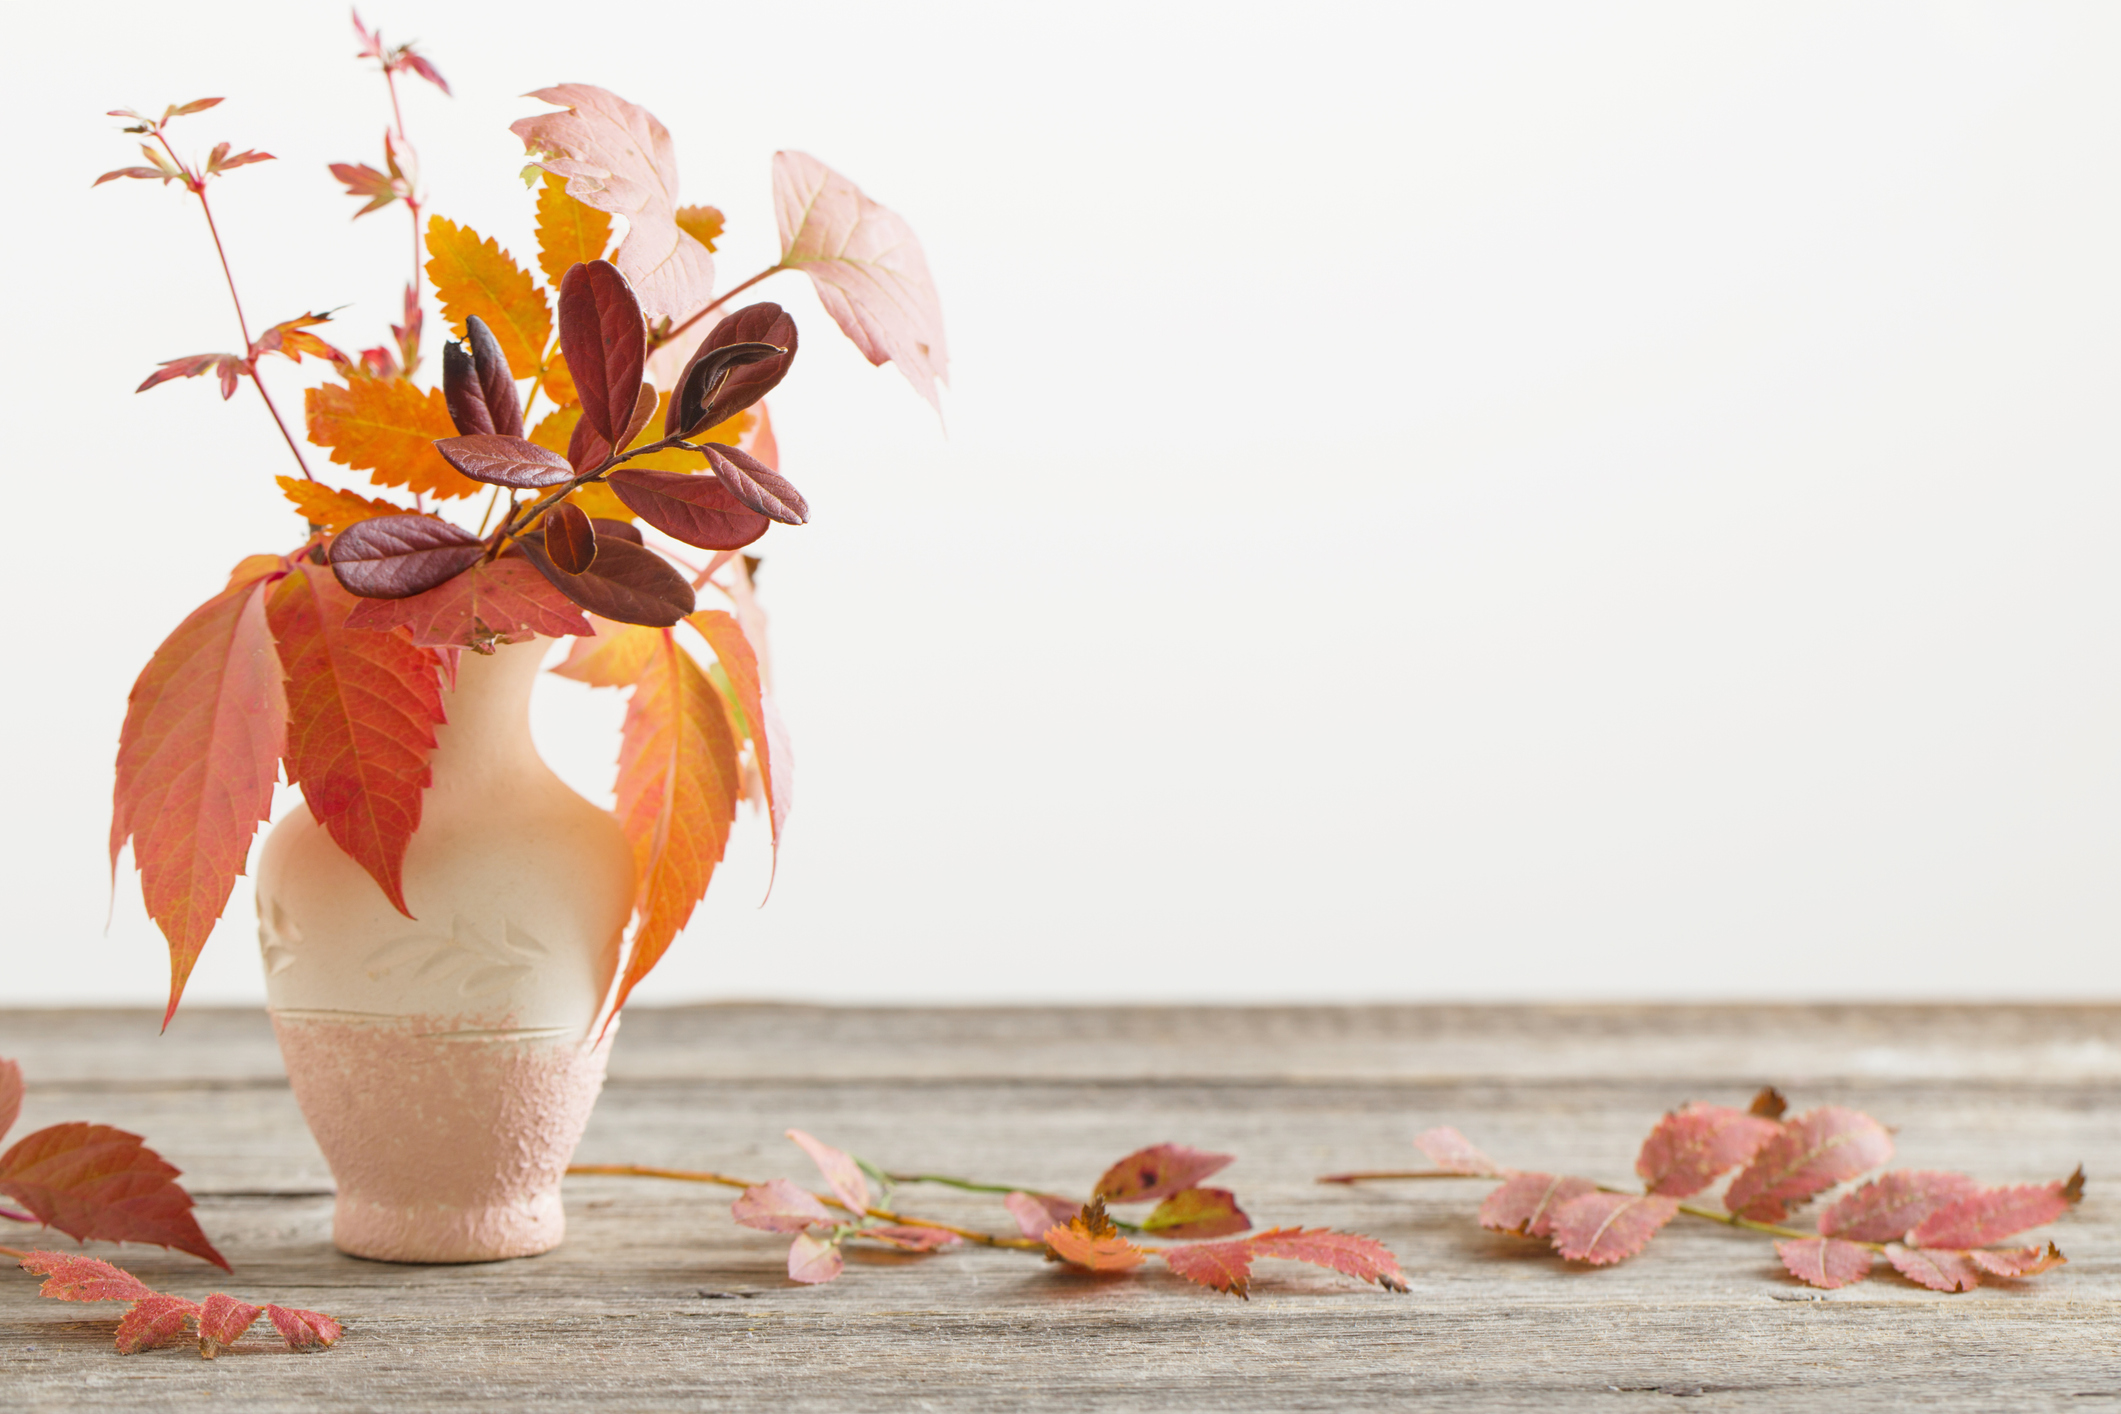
(720, 301)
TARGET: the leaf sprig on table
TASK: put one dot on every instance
(154, 1318)
(1939, 1230)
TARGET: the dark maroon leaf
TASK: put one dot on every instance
(504, 461)
(628, 583)
(714, 387)
(698, 510)
(606, 343)
(460, 388)
(757, 485)
(624, 529)
(569, 539)
(396, 557)
(586, 448)
(478, 385)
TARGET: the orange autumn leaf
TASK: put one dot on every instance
(1092, 1241)
(677, 795)
(473, 275)
(702, 223)
(388, 428)
(361, 712)
(568, 231)
(769, 744)
(559, 383)
(331, 507)
(612, 656)
(197, 760)
(602, 502)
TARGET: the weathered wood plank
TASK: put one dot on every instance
(616, 1319)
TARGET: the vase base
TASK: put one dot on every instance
(391, 1232)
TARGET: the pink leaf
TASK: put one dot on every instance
(1526, 1204)
(1449, 1150)
(1157, 1172)
(1224, 1266)
(1825, 1261)
(1603, 1228)
(813, 1260)
(616, 157)
(1035, 1212)
(841, 1172)
(1935, 1268)
(1813, 1152)
(1888, 1207)
(1691, 1147)
(10, 1095)
(867, 266)
(154, 1320)
(304, 1330)
(1992, 1215)
(74, 1278)
(222, 1322)
(2018, 1261)
(911, 1239)
(779, 1206)
(1363, 1258)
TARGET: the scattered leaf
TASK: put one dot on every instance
(813, 1260)
(1090, 1240)
(780, 1206)
(1991, 1215)
(154, 1321)
(1691, 1147)
(222, 1322)
(1526, 1202)
(96, 1183)
(1363, 1258)
(10, 1095)
(1936, 1269)
(841, 1172)
(1196, 1213)
(304, 1330)
(910, 1239)
(1222, 1266)
(1158, 1172)
(502, 601)
(1602, 1228)
(1815, 1151)
(72, 1277)
(2018, 1261)
(1035, 1212)
(1452, 1152)
(1888, 1208)
(1826, 1262)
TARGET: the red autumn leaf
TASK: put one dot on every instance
(910, 1239)
(1824, 1261)
(291, 339)
(222, 1322)
(780, 1206)
(1691, 1147)
(606, 343)
(813, 1260)
(502, 601)
(1452, 1152)
(757, 485)
(197, 760)
(1363, 1258)
(1993, 1214)
(1035, 1212)
(1815, 1151)
(1222, 1266)
(361, 717)
(1158, 1172)
(379, 189)
(628, 582)
(1890, 1206)
(769, 746)
(1526, 1203)
(714, 387)
(698, 510)
(304, 1330)
(2017, 1261)
(1602, 1228)
(10, 1095)
(1091, 1241)
(842, 1174)
(1938, 1269)
(96, 1183)
(396, 557)
(617, 158)
(1197, 1212)
(867, 266)
(154, 1320)
(499, 460)
(71, 1277)
(229, 367)
(677, 793)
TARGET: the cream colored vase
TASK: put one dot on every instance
(447, 1062)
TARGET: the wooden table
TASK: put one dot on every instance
(659, 1301)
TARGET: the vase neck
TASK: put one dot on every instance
(488, 727)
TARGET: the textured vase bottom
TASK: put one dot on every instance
(448, 1144)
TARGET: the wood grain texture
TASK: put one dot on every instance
(658, 1301)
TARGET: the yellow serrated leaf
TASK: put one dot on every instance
(388, 428)
(331, 507)
(473, 275)
(702, 223)
(568, 232)
(559, 383)
(601, 500)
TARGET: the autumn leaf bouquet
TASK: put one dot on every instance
(592, 460)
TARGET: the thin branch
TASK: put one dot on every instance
(717, 303)
(1366, 1175)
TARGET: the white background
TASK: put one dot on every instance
(1437, 500)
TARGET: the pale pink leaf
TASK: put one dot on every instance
(616, 157)
(842, 1173)
(71, 1277)
(813, 1260)
(1813, 1152)
(1888, 1207)
(304, 1330)
(1363, 1258)
(154, 1320)
(867, 266)
(1451, 1151)
(1936, 1268)
(779, 1206)
(1824, 1261)
(911, 1238)
(1157, 1172)
(1992, 1215)
(1526, 1204)
(1035, 1212)
(1602, 1228)
(2017, 1261)
(1691, 1147)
